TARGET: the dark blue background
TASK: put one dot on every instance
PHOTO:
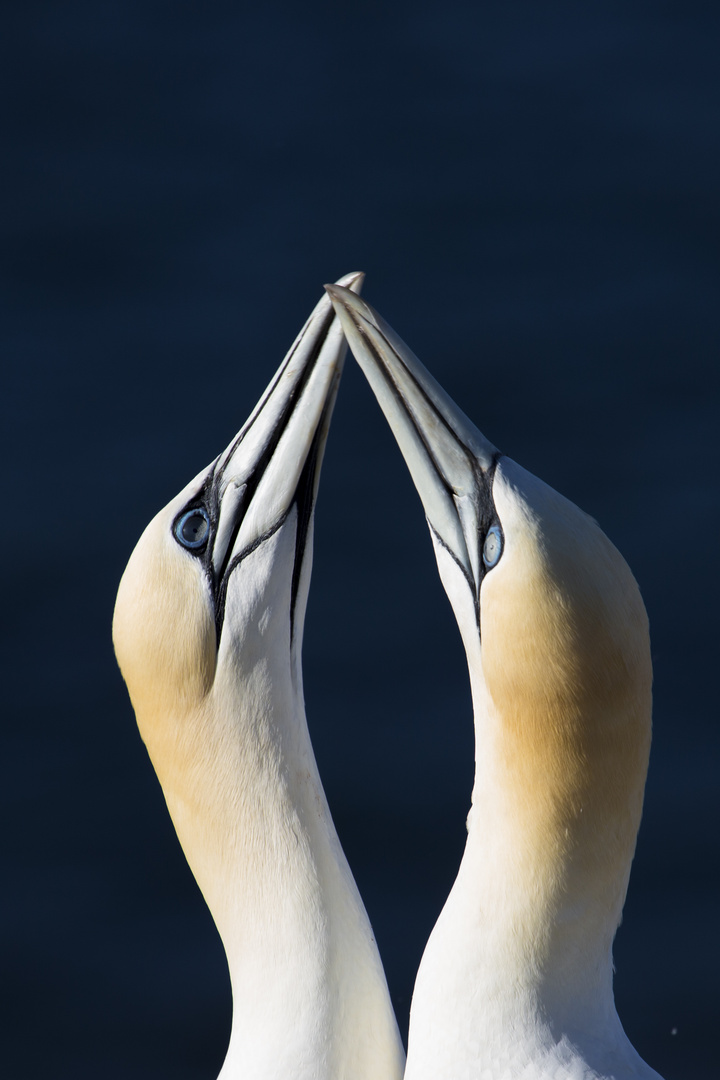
(532, 188)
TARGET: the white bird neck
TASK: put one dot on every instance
(255, 827)
(516, 980)
(310, 1001)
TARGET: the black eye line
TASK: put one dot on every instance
(488, 519)
(483, 477)
(219, 581)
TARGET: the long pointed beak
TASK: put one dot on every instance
(275, 458)
(449, 460)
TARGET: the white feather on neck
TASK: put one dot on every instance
(238, 772)
(516, 979)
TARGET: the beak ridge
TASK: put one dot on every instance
(257, 476)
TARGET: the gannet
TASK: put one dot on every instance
(208, 633)
(516, 978)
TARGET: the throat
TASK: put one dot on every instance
(518, 969)
(258, 836)
(534, 939)
(307, 983)
(515, 980)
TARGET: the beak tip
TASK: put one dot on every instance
(352, 282)
(349, 306)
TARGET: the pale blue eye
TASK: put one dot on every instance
(193, 528)
(493, 546)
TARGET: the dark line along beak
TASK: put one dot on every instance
(274, 461)
(450, 461)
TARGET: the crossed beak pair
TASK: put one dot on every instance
(273, 463)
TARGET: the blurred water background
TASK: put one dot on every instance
(532, 189)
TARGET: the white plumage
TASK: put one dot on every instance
(516, 979)
(208, 634)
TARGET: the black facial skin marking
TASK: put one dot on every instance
(487, 518)
(208, 497)
(486, 512)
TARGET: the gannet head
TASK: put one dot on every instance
(207, 630)
(557, 641)
(209, 615)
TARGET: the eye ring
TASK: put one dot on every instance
(193, 529)
(493, 547)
